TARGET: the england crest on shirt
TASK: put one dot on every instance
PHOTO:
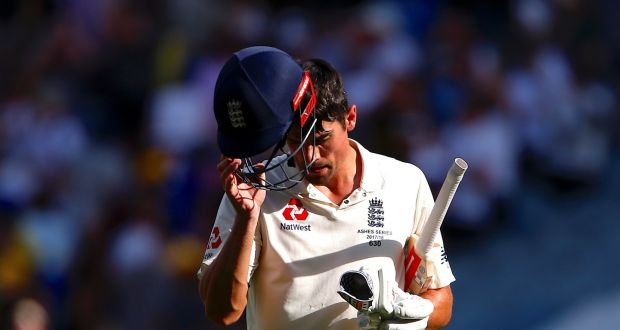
(375, 212)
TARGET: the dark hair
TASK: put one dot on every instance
(331, 98)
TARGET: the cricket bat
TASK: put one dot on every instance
(418, 248)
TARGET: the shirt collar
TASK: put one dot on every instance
(372, 175)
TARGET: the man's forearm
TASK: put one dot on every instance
(442, 300)
(224, 284)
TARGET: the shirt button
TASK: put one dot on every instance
(346, 201)
(364, 194)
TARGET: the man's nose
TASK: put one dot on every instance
(311, 152)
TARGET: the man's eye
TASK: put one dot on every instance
(322, 138)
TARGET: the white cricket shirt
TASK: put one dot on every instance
(304, 242)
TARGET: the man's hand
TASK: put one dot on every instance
(381, 304)
(246, 199)
(410, 306)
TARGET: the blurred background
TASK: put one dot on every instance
(108, 186)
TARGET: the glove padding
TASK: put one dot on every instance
(419, 324)
(373, 321)
(410, 306)
(377, 298)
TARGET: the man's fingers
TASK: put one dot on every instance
(415, 307)
(241, 192)
(227, 166)
(260, 167)
(225, 163)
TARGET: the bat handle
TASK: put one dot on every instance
(444, 198)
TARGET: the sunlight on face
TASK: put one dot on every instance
(325, 148)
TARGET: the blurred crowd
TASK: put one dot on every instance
(108, 186)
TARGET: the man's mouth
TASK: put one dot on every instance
(316, 169)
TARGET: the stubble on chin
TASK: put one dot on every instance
(319, 180)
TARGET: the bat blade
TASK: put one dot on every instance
(418, 247)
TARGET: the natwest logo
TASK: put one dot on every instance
(215, 240)
(295, 210)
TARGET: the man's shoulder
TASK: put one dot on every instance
(392, 165)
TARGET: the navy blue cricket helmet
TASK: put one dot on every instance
(258, 95)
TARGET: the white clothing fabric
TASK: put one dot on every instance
(304, 242)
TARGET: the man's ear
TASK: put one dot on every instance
(351, 118)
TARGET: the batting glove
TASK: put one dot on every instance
(419, 324)
(377, 298)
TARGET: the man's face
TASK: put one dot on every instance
(330, 143)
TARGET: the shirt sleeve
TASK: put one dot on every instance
(438, 266)
(219, 235)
